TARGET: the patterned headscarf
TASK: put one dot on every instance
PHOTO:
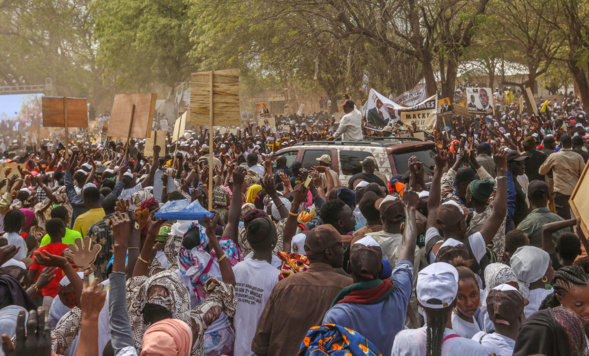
(178, 301)
(497, 274)
(292, 263)
(331, 339)
(573, 326)
(140, 196)
(196, 263)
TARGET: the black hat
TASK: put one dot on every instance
(514, 156)
(536, 187)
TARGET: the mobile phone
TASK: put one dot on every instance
(308, 181)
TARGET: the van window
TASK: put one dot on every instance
(310, 157)
(426, 157)
(350, 161)
(291, 157)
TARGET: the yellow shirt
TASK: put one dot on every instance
(86, 220)
(69, 238)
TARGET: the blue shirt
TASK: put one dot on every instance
(378, 322)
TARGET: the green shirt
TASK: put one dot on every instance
(532, 225)
(69, 238)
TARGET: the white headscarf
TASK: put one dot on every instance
(529, 264)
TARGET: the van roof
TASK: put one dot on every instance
(372, 141)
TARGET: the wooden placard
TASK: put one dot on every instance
(532, 101)
(579, 202)
(271, 122)
(54, 113)
(462, 111)
(225, 98)
(121, 113)
(179, 127)
(157, 138)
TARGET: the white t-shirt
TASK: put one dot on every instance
(476, 240)
(412, 342)
(15, 239)
(463, 327)
(127, 193)
(495, 343)
(536, 297)
(276, 262)
(258, 169)
(254, 281)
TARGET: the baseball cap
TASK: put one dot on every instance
(321, 238)
(514, 156)
(437, 285)
(390, 207)
(369, 158)
(537, 186)
(325, 159)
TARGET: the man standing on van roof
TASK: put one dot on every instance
(350, 126)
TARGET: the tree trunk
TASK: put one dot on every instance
(581, 80)
(430, 78)
(449, 86)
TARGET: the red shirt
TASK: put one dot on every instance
(55, 248)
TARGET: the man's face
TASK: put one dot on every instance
(484, 97)
(347, 220)
(517, 168)
(378, 104)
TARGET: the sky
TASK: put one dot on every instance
(9, 104)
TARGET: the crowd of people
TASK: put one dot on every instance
(485, 259)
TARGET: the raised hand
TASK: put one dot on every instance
(93, 297)
(83, 256)
(211, 226)
(268, 185)
(37, 340)
(45, 258)
(45, 277)
(142, 216)
(410, 199)
(239, 175)
(300, 194)
(7, 252)
(441, 158)
(121, 229)
(122, 206)
(500, 158)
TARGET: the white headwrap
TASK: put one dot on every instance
(529, 264)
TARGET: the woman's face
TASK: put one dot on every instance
(577, 299)
(467, 299)
(158, 291)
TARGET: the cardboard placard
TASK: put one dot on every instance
(54, 113)
(122, 110)
(157, 138)
(271, 122)
(225, 99)
(179, 127)
(532, 100)
(579, 202)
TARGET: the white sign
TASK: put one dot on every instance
(479, 100)
(412, 97)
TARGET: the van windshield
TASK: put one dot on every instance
(425, 156)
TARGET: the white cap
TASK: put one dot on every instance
(81, 171)
(437, 285)
(452, 202)
(506, 288)
(451, 242)
(87, 166)
(65, 281)
(108, 170)
(128, 174)
(89, 185)
(423, 194)
(298, 243)
(16, 263)
(367, 241)
(362, 184)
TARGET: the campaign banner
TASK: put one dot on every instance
(412, 97)
(444, 107)
(480, 100)
(380, 112)
(423, 115)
